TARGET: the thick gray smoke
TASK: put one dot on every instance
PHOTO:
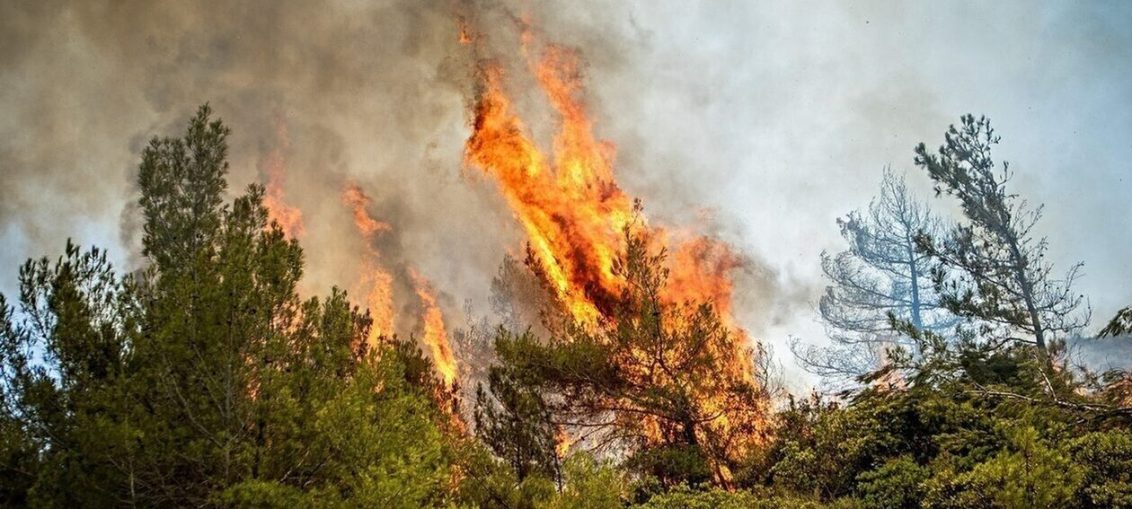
(367, 93)
(770, 119)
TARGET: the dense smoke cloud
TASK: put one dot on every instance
(762, 123)
(367, 93)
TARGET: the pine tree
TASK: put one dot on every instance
(658, 381)
(203, 379)
(992, 268)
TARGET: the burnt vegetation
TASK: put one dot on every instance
(204, 379)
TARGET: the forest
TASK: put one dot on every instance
(204, 378)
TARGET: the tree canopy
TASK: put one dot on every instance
(204, 379)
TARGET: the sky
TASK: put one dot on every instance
(761, 121)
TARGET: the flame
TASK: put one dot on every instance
(572, 209)
(274, 168)
(562, 442)
(573, 212)
(574, 215)
(434, 334)
(464, 37)
(891, 379)
(377, 281)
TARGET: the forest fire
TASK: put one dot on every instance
(274, 168)
(435, 336)
(377, 282)
(573, 212)
(380, 296)
(576, 218)
(572, 209)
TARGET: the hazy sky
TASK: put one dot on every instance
(772, 118)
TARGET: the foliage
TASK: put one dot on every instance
(998, 272)
(1120, 325)
(655, 380)
(515, 419)
(203, 379)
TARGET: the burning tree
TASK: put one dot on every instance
(655, 381)
(643, 355)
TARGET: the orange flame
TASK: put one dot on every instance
(572, 210)
(434, 334)
(379, 283)
(274, 167)
(574, 214)
(562, 442)
(465, 36)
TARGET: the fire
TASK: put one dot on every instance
(572, 209)
(465, 33)
(562, 442)
(574, 215)
(434, 334)
(378, 281)
(274, 167)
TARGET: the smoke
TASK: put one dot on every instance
(368, 93)
(776, 119)
(1100, 355)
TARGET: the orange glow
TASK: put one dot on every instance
(465, 34)
(562, 442)
(376, 281)
(434, 334)
(574, 215)
(572, 209)
(274, 167)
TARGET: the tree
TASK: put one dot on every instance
(1120, 324)
(203, 379)
(659, 382)
(880, 276)
(514, 419)
(992, 268)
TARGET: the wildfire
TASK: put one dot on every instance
(274, 167)
(464, 36)
(380, 298)
(378, 281)
(562, 442)
(434, 334)
(572, 210)
(575, 215)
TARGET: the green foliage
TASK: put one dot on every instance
(681, 497)
(590, 484)
(204, 380)
(1120, 324)
(896, 484)
(1106, 457)
(491, 483)
(515, 419)
(1029, 472)
(991, 268)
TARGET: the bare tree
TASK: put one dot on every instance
(992, 269)
(880, 276)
